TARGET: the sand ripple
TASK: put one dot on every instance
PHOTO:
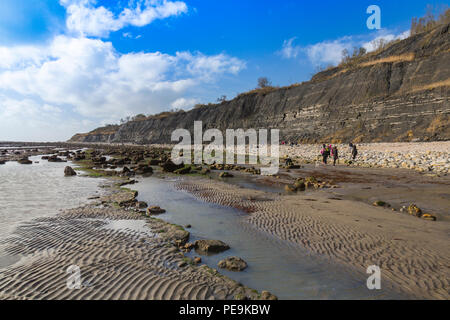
(114, 264)
(413, 255)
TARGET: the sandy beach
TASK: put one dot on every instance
(124, 254)
(413, 254)
(117, 263)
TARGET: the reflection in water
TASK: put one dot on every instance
(38, 190)
(283, 269)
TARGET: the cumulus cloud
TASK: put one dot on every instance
(384, 37)
(183, 103)
(78, 80)
(330, 52)
(91, 79)
(84, 18)
(289, 51)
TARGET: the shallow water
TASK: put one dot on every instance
(285, 270)
(38, 190)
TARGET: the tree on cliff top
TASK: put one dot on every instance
(429, 21)
(264, 82)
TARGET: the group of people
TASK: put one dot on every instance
(330, 151)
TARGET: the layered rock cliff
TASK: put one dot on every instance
(400, 93)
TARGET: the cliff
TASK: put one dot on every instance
(400, 93)
(102, 134)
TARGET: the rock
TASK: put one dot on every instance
(182, 264)
(300, 185)
(226, 175)
(311, 180)
(184, 170)
(266, 295)
(2, 162)
(169, 166)
(197, 260)
(210, 246)
(24, 160)
(144, 169)
(68, 172)
(141, 205)
(427, 216)
(180, 237)
(155, 210)
(414, 210)
(232, 264)
(290, 188)
(154, 162)
(380, 203)
(54, 158)
(188, 226)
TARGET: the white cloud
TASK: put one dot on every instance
(84, 18)
(386, 37)
(183, 103)
(289, 51)
(88, 78)
(330, 52)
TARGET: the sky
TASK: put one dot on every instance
(69, 66)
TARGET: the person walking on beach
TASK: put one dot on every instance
(350, 145)
(354, 152)
(334, 153)
(325, 154)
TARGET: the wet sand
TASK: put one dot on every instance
(413, 254)
(137, 262)
(124, 255)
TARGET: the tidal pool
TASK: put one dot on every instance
(284, 269)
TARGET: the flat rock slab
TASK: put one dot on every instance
(210, 246)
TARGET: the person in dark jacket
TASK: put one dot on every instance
(354, 152)
(325, 154)
(335, 154)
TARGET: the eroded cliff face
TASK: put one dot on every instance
(399, 94)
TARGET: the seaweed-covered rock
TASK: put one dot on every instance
(210, 246)
(232, 264)
(68, 171)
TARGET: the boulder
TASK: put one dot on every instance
(169, 166)
(144, 169)
(68, 172)
(210, 246)
(155, 210)
(54, 158)
(380, 203)
(24, 160)
(427, 216)
(232, 264)
(226, 175)
(184, 170)
(266, 295)
(414, 210)
(141, 205)
(197, 260)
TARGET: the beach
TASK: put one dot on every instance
(336, 223)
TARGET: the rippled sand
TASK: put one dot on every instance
(413, 254)
(116, 262)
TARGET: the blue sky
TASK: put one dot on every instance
(72, 65)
